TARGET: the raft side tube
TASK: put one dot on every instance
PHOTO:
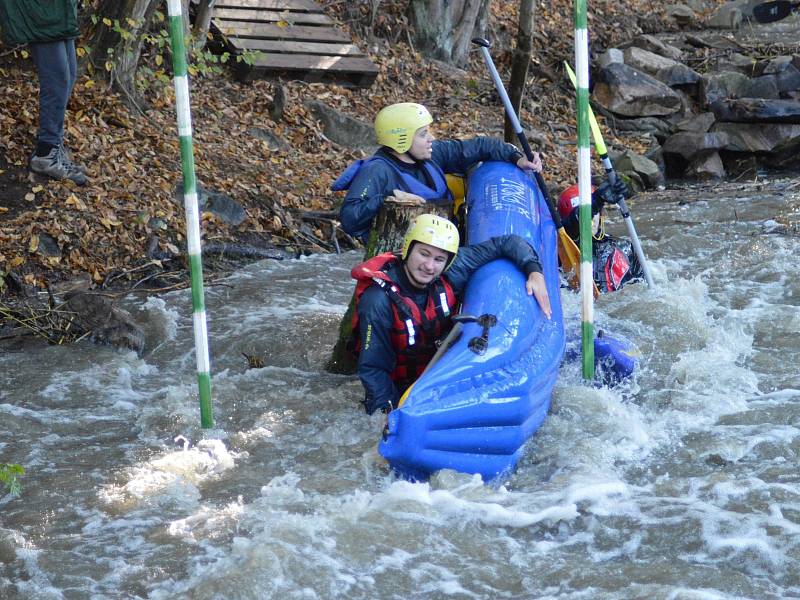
(474, 412)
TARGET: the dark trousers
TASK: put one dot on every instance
(57, 66)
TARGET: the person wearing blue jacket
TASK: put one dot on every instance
(410, 165)
(49, 27)
(405, 301)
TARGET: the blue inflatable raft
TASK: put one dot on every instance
(476, 407)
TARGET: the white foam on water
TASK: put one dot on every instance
(163, 320)
(173, 478)
(37, 585)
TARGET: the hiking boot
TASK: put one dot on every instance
(66, 158)
(54, 166)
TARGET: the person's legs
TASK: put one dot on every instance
(55, 85)
(72, 64)
(56, 67)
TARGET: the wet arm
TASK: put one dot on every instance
(377, 358)
(515, 249)
(456, 156)
(364, 199)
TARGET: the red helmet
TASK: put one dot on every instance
(569, 201)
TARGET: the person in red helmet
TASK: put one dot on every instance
(614, 262)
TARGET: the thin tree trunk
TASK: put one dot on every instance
(202, 23)
(519, 64)
(122, 52)
(444, 30)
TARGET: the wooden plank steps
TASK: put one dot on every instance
(294, 39)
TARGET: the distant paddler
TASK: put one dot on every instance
(406, 301)
(614, 261)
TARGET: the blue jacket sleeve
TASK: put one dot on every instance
(365, 196)
(377, 358)
(457, 156)
(471, 258)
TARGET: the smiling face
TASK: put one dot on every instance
(424, 263)
(422, 144)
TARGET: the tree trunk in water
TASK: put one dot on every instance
(386, 235)
(519, 64)
(444, 30)
(124, 50)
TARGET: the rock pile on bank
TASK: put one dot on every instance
(708, 102)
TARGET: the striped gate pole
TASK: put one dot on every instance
(192, 212)
(584, 188)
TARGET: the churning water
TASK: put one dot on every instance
(683, 484)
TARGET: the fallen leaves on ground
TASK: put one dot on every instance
(134, 159)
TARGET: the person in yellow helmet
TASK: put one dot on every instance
(405, 301)
(411, 165)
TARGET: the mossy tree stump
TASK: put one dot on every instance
(386, 235)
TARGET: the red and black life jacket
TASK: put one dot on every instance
(615, 264)
(414, 333)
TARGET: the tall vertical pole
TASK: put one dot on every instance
(183, 108)
(584, 188)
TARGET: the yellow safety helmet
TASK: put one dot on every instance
(396, 124)
(434, 231)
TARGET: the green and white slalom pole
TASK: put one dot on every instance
(602, 152)
(584, 188)
(192, 212)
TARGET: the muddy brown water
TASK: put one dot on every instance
(681, 485)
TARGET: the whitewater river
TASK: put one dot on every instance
(682, 485)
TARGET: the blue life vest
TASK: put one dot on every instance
(413, 185)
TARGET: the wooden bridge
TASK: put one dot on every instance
(294, 38)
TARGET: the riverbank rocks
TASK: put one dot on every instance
(639, 169)
(657, 46)
(217, 203)
(343, 129)
(727, 16)
(666, 70)
(747, 110)
(627, 91)
(709, 99)
(105, 323)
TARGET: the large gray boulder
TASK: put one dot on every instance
(747, 110)
(788, 79)
(647, 170)
(343, 129)
(653, 44)
(106, 323)
(612, 55)
(683, 15)
(219, 204)
(626, 91)
(765, 86)
(726, 84)
(707, 166)
(688, 145)
(735, 61)
(758, 137)
(666, 70)
(697, 123)
(727, 16)
(275, 143)
(656, 127)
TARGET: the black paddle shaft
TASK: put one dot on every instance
(512, 115)
(769, 12)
